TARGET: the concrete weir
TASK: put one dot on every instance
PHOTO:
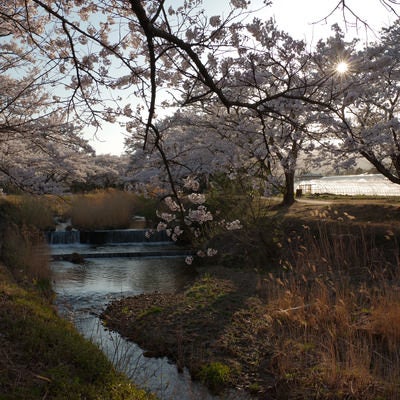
(78, 245)
(106, 236)
(123, 236)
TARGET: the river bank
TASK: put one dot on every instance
(319, 325)
(208, 326)
(43, 357)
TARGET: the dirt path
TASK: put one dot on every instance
(314, 201)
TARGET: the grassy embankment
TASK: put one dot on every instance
(41, 355)
(304, 304)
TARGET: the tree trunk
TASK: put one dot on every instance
(288, 195)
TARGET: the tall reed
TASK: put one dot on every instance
(334, 313)
(110, 209)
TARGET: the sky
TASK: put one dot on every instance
(297, 17)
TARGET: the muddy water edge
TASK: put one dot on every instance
(83, 293)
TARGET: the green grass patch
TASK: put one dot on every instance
(215, 375)
(44, 356)
(206, 290)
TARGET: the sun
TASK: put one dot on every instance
(342, 67)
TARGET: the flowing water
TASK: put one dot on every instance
(83, 291)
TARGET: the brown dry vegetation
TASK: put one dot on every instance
(105, 210)
(109, 209)
(322, 321)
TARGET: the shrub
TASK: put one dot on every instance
(215, 375)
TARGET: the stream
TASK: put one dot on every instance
(83, 291)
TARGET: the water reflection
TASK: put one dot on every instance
(121, 276)
(83, 292)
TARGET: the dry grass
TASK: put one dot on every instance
(23, 245)
(103, 210)
(334, 314)
(25, 253)
(324, 323)
(30, 210)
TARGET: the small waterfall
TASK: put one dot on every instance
(106, 236)
(123, 236)
(63, 237)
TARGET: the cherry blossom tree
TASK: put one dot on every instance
(372, 122)
(364, 113)
(39, 150)
(93, 50)
(105, 171)
(148, 46)
(210, 141)
(249, 135)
